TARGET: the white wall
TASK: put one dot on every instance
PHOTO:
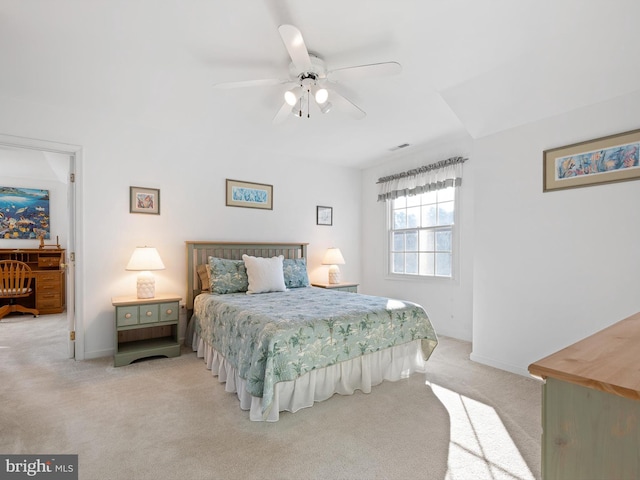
(447, 301)
(37, 170)
(189, 168)
(550, 268)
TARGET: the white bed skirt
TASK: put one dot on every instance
(344, 378)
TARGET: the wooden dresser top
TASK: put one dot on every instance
(608, 360)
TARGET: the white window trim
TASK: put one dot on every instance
(455, 251)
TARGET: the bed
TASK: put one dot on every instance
(281, 344)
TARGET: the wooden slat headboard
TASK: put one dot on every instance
(198, 253)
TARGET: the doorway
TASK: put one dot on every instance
(37, 164)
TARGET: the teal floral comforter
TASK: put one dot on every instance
(274, 337)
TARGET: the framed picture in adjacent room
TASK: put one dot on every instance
(24, 213)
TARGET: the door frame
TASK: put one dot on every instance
(74, 274)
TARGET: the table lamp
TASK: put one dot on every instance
(333, 257)
(145, 259)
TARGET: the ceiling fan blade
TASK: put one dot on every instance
(251, 83)
(294, 44)
(346, 105)
(283, 113)
(364, 71)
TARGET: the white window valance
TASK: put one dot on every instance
(446, 173)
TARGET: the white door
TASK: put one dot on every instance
(70, 263)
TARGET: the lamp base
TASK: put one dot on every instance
(146, 285)
(334, 274)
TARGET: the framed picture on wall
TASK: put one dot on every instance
(144, 200)
(249, 195)
(615, 158)
(324, 215)
(24, 213)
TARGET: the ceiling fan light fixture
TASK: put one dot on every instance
(321, 96)
(324, 108)
(292, 96)
(309, 76)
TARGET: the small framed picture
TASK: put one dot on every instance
(144, 200)
(324, 215)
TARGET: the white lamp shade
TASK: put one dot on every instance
(333, 256)
(145, 259)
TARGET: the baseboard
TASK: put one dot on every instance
(502, 366)
(458, 335)
(98, 354)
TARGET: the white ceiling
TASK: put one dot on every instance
(468, 66)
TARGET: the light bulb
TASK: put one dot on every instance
(291, 96)
(322, 95)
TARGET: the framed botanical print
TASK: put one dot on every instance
(249, 195)
(144, 200)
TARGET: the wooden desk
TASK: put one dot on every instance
(47, 266)
(591, 406)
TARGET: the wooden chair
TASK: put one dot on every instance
(15, 282)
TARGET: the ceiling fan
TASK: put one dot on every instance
(310, 83)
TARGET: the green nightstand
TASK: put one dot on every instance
(342, 287)
(146, 327)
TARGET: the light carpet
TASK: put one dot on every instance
(170, 419)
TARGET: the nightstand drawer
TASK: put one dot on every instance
(126, 316)
(144, 314)
(169, 311)
(149, 313)
(352, 289)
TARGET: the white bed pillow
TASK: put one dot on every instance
(265, 274)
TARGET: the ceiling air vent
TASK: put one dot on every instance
(398, 147)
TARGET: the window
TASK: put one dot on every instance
(421, 233)
(421, 220)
